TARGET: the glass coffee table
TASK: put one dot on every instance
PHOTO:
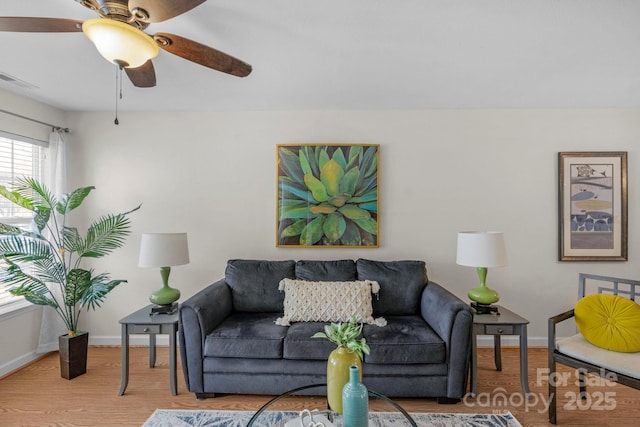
(267, 416)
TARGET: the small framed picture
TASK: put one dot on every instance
(328, 195)
(592, 206)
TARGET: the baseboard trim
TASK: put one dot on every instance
(20, 362)
(163, 340)
(134, 340)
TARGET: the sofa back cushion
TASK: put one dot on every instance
(254, 284)
(401, 285)
(327, 271)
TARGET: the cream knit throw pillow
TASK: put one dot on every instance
(306, 301)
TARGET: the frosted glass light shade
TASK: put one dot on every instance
(163, 250)
(120, 43)
(481, 249)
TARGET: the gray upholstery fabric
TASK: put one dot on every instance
(401, 285)
(254, 284)
(298, 343)
(405, 340)
(228, 350)
(247, 335)
(340, 270)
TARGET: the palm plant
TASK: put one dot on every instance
(48, 255)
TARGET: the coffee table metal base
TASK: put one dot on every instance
(372, 393)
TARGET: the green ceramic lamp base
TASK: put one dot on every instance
(165, 295)
(482, 294)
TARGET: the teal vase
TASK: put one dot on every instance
(355, 401)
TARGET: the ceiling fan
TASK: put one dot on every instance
(119, 36)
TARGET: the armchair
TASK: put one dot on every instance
(576, 352)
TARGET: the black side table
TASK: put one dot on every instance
(145, 323)
(505, 323)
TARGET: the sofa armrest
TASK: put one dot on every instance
(452, 320)
(199, 315)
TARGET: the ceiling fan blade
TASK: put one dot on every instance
(23, 24)
(143, 76)
(201, 54)
(161, 10)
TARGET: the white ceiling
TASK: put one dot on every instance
(352, 54)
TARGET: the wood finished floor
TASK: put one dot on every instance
(37, 396)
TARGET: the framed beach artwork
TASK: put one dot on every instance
(592, 206)
(328, 195)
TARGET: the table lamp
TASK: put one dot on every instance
(164, 250)
(482, 249)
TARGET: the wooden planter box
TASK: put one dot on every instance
(73, 355)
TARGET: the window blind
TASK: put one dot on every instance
(18, 158)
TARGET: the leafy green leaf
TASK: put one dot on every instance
(330, 175)
(312, 232)
(334, 226)
(70, 201)
(349, 181)
(290, 165)
(105, 235)
(99, 287)
(78, 280)
(338, 156)
(15, 198)
(290, 189)
(367, 224)
(294, 229)
(351, 236)
(304, 163)
(317, 188)
(41, 218)
(295, 212)
(39, 194)
(353, 212)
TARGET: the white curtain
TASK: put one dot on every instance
(56, 179)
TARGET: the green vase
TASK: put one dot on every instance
(338, 364)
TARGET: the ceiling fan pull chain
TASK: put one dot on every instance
(118, 89)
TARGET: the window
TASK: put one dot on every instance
(19, 157)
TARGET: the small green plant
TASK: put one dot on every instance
(345, 334)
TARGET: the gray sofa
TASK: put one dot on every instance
(229, 341)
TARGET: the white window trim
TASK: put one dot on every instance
(18, 305)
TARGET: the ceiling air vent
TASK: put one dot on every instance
(4, 77)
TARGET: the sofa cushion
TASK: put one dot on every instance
(405, 340)
(246, 335)
(610, 322)
(254, 284)
(298, 343)
(307, 301)
(339, 270)
(401, 285)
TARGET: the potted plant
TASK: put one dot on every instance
(349, 352)
(43, 263)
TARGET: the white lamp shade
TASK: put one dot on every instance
(120, 43)
(163, 250)
(481, 249)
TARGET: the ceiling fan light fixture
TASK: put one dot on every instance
(120, 43)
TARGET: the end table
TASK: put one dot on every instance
(143, 322)
(504, 323)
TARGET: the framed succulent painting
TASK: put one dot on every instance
(328, 195)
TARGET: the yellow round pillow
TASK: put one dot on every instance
(610, 322)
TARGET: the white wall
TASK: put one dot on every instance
(19, 332)
(442, 171)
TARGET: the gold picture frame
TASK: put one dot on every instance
(592, 206)
(328, 195)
